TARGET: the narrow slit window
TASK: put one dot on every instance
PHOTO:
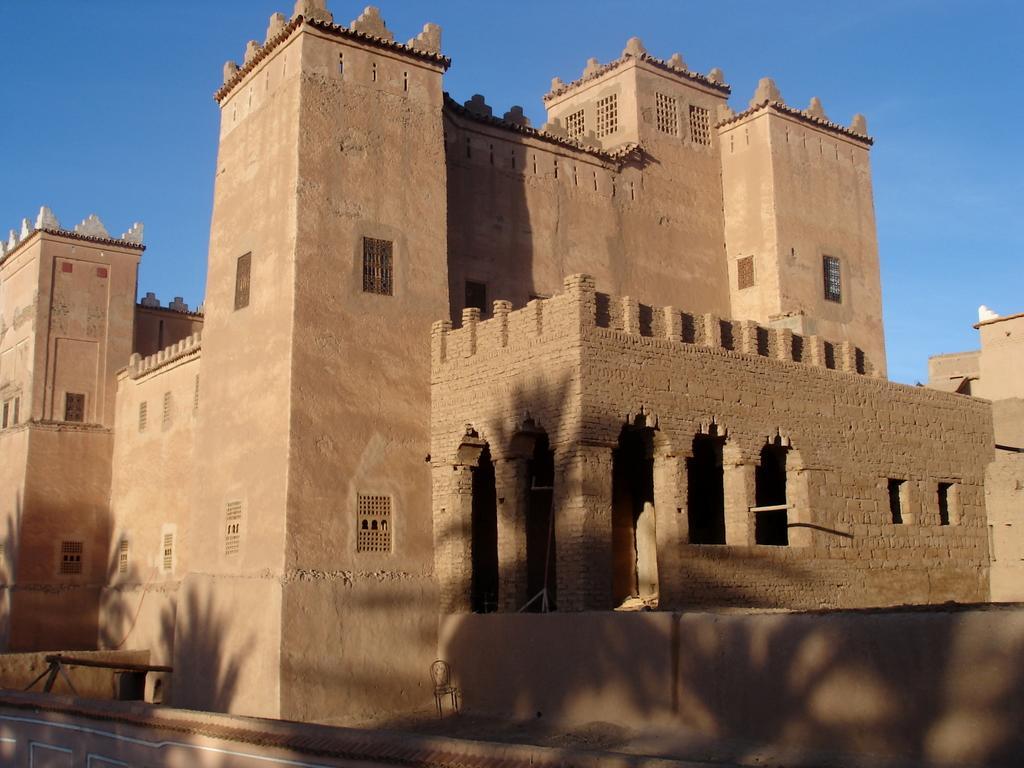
(377, 266)
(16, 415)
(243, 269)
(6, 416)
(896, 494)
(949, 504)
(143, 415)
(166, 416)
(341, 63)
(833, 279)
(74, 407)
(373, 72)
(195, 396)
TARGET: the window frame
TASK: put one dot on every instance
(832, 288)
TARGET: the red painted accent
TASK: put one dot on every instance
(67, 267)
(101, 271)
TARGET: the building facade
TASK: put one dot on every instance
(281, 494)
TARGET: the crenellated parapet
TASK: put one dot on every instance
(368, 28)
(140, 366)
(90, 228)
(768, 97)
(582, 307)
(635, 51)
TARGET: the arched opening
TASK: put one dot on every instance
(705, 489)
(634, 545)
(484, 545)
(540, 528)
(771, 526)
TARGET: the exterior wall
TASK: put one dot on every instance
(157, 329)
(14, 449)
(872, 685)
(1004, 500)
(242, 429)
(955, 372)
(848, 433)
(371, 164)
(1002, 358)
(150, 499)
(19, 302)
(793, 194)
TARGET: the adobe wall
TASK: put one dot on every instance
(160, 327)
(1002, 358)
(19, 285)
(849, 433)
(150, 500)
(371, 165)
(14, 449)
(66, 498)
(1004, 500)
(936, 686)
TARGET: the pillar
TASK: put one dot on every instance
(739, 497)
(583, 527)
(453, 514)
(672, 524)
(512, 480)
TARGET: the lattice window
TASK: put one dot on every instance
(476, 295)
(833, 279)
(232, 527)
(373, 516)
(607, 115)
(166, 417)
(745, 272)
(168, 552)
(575, 125)
(700, 125)
(122, 556)
(74, 406)
(243, 273)
(667, 113)
(195, 396)
(377, 266)
(71, 557)
(143, 415)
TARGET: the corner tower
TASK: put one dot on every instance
(800, 235)
(327, 267)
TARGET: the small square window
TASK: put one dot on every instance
(833, 279)
(71, 557)
(745, 272)
(476, 295)
(74, 407)
(243, 273)
(377, 266)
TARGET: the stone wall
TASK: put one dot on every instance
(584, 366)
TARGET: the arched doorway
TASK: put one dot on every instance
(634, 542)
(705, 489)
(484, 537)
(772, 526)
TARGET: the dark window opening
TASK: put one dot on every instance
(377, 266)
(540, 529)
(705, 489)
(242, 274)
(944, 503)
(771, 526)
(634, 549)
(484, 543)
(476, 295)
(74, 407)
(896, 501)
(16, 416)
(7, 408)
(833, 279)
(160, 335)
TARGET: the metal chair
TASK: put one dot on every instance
(441, 674)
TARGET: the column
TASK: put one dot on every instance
(453, 515)
(583, 527)
(672, 524)
(513, 494)
(739, 497)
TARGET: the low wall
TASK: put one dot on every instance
(943, 686)
(17, 670)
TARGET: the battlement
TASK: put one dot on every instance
(150, 301)
(140, 366)
(636, 52)
(368, 28)
(581, 306)
(767, 97)
(90, 229)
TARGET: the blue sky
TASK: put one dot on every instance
(109, 109)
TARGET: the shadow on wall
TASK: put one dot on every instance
(8, 568)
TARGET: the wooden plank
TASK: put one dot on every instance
(77, 662)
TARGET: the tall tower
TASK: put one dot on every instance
(800, 223)
(67, 302)
(313, 539)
